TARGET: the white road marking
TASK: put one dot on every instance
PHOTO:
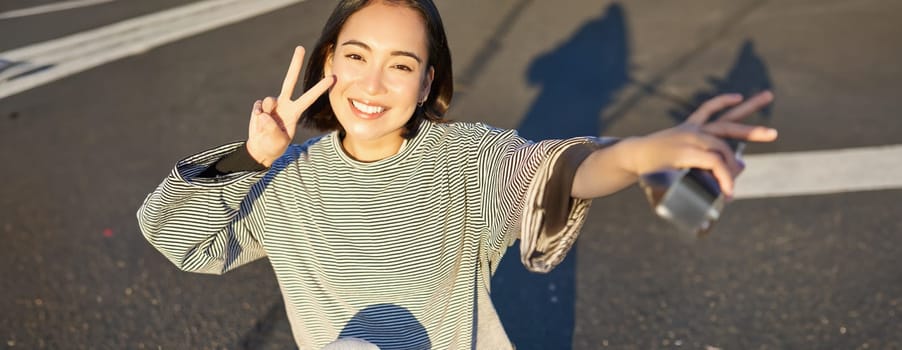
(821, 172)
(41, 63)
(59, 6)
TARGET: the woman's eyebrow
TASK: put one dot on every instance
(393, 53)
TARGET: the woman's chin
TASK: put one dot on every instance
(368, 134)
(372, 130)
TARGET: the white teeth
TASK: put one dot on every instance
(365, 108)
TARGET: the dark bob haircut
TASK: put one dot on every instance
(320, 115)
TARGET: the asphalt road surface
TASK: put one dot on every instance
(820, 271)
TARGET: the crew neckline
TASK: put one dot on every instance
(407, 147)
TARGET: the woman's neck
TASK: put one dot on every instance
(372, 150)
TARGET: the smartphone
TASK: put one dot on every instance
(691, 198)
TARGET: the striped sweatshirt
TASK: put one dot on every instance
(399, 252)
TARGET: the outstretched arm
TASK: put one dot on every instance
(692, 144)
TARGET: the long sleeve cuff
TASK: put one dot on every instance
(237, 161)
(553, 219)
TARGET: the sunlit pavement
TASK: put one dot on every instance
(777, 272)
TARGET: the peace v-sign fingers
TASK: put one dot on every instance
(294, 71)
(291, 109)
(728, 125)
(274, 120)
(712, 106)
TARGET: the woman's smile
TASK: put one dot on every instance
(367, 110)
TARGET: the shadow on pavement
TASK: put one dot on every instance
(578, 81)
(748, 75)
(256, 337)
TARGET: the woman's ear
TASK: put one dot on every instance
(427, 84)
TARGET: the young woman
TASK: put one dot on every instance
(388, 228)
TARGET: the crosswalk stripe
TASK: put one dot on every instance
(28, 67)
(821, 172)
(59, 6)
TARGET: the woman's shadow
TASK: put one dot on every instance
(747, 76)
(578, 80)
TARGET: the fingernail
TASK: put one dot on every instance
(741, 163)
(772, 132)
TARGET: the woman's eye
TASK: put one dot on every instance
(354, 56)
(404, 68)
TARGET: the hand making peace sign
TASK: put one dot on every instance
(274, 120)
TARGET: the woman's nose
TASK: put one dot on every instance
(373, 82)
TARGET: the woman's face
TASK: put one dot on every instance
(379, 62)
